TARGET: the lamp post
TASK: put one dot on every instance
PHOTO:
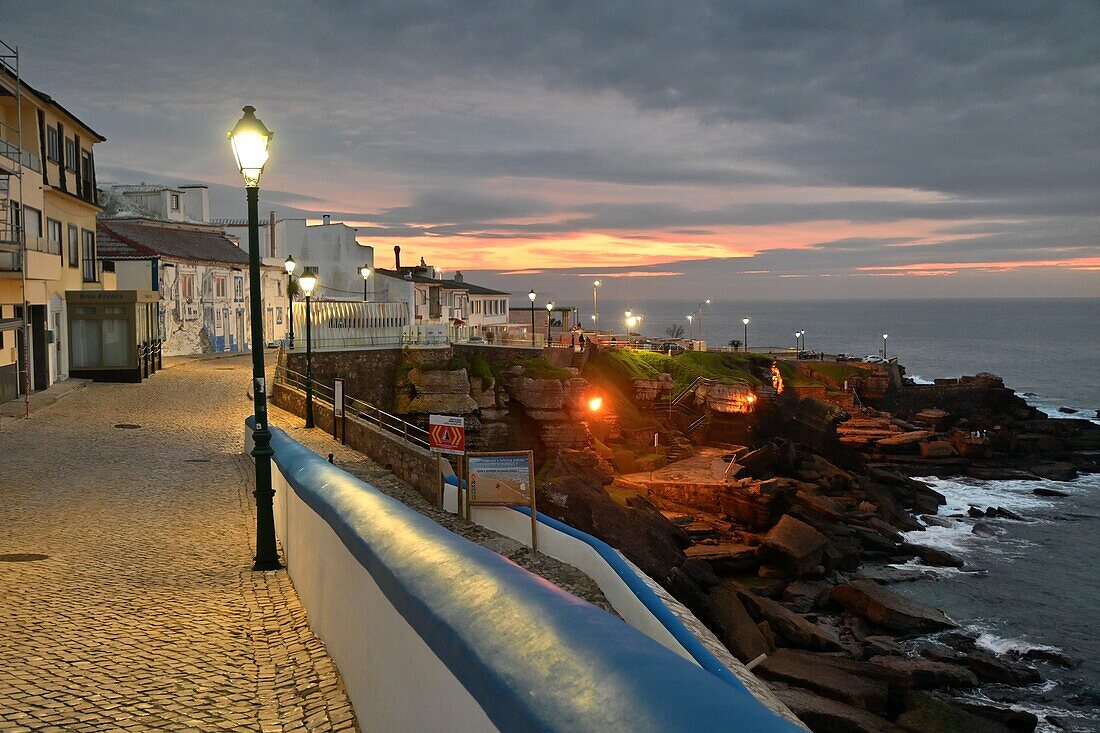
(691, 333)
(802, 334)
(549, 310)
(290, 264)
(884, 337)
(595, 305)
(249, 140)
(365, 272)
(532, 295)
(746, 343)
(308, 281)
(699, 309)
(796, 335)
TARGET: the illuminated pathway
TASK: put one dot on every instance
(144, 614)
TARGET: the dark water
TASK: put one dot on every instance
(1041, 587)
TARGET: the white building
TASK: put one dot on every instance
(159, 238)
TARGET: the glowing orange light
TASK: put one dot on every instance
(751, 398)
(595, 404)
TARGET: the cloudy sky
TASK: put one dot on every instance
(749, 148)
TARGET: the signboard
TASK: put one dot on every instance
(338, 398)
(503, 479)
(447, 434)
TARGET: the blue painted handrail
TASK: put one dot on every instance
(534, 657)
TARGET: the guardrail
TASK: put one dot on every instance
(433, 632)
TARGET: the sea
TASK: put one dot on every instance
(1036, 585)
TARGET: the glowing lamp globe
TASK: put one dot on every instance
(308, 281)
(365, 271)
(290, 264)
(250, 140)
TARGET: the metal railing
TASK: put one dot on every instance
(407, 431)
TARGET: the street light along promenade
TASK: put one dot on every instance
(249, 140)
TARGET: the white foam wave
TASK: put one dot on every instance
(918, 379)
(1002, 645)
(1050, 407)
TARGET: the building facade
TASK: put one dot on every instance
(48, 208)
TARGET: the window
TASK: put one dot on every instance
(74, 246)
(174, 200)
(70, 154)
(187, 287)
(53, 148)
(88, 256)
(32, 221)
(278, 314)
(86, 176)
(53, 231)
(219, 287)
(238, 288)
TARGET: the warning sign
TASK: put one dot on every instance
(447, 434)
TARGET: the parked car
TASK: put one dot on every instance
(872, 359)
(847, 357)
(671, 348)
(804, 355)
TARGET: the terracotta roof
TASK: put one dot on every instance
(134, 239)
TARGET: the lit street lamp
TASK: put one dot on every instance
(595, 305)
(746, 322)
(308, 281)
(802, 333)
(549, 310)
(691, 333)
(249, 140)
(365, 272)
(796, 336)
(532, 295)
(699, 309)
(290, 264)
(884, 337)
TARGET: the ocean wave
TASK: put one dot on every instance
(918, 379)
(1050, 407)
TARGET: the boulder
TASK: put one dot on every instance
(934, 557)
(991, 668)
(829, 716)
(983, 530)
(903, 442)
(936, 449)
(803, 595)
(888, 609)
(1019, 721)
(797, 630)
(803, 669)
(733, 626)
(1049, 492)
(1055, 471)
(537, 394)
(925, 713)
(725, 557)
(760, 462)
(923, 674)
(798, 546)
(440, 381)
(933, 417)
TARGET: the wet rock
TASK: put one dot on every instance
(925, 674)
(829, 716)
(805, 670)
(1019, 721)
(934, 557)
(1003, 513)
(888, 609)
(797, 630)
(878, 646)
(925, 713)
(991, 668)
(1055, 471)
(983, 530)
(975, 512)
(1051, 656)
(797, 545)
(934, 521)
(1067, 410)
(1049, 492)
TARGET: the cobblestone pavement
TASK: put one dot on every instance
(144, 614)
(560, 574)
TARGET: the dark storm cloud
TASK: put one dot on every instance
(990, 106)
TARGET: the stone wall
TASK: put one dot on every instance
(368, 374)
(414, 465)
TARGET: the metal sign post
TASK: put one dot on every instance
(505, 478)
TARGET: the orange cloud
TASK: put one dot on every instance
(632, 273)
(1078, 263)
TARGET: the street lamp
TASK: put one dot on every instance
(802, 333)
(308, 281)
(595, 305)
(691, 333)
(290, 264)
(884, 337)
(549, 310)
(365, 272)
(746, 344)
(532, 295)
(700, 311)
(249, 140)
(796, 337)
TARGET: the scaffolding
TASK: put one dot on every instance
(13, 240)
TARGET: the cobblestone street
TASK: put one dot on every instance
(144, 613)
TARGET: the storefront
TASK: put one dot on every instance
(114, 335)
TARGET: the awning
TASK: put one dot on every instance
(11, 324)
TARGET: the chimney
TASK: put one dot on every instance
(271, 234)
(458, 276)
(326, 219)
(397, 256)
